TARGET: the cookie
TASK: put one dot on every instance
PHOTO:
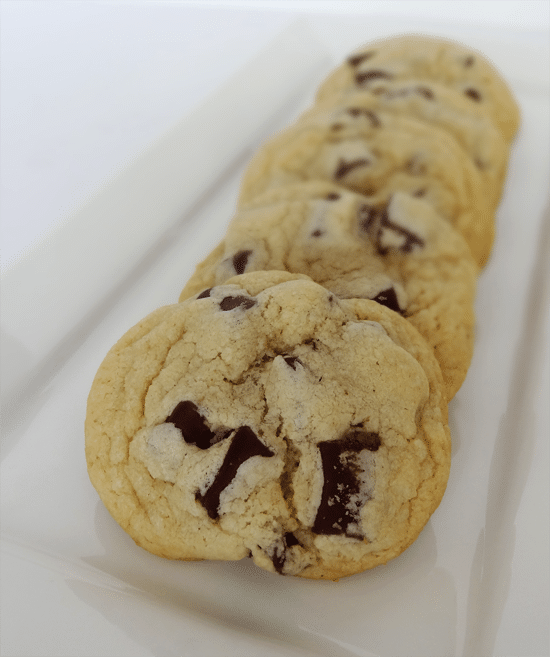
(306, 432)
(428, 58)
(399, 253)
(379, 154)
(437, 105)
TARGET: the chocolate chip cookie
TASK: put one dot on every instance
(267, 418)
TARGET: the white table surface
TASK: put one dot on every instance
(87, 89)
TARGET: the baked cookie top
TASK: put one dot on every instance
(437, 105)
(379, 154)
(456, 65)
(399, 253)
(268, 418)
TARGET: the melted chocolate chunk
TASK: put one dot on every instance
(332, 196)
(292, 360)
(388, 298)
(244, 446)
(190, 422)
(228, 303)
(361, 111)
(205, 293)
(339, 511)
(473, 94)
(355, 60)
(368, 76)
(240, 261)
(279, 552)
(345, 167)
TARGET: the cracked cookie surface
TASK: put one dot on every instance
(267, 418)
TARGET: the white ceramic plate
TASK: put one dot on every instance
(476, 580)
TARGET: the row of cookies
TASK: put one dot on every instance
(292, 406)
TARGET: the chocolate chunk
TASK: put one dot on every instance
(317, 233)
(292, 360)
(205, 293)
(362, 111)
(332, 196)
(469, 61)
(279, 551)
(388, 298)
(367, 216)
(374, 221)
(345, 167)
(355, 60)
(245, 445)
(426, 92)
(473, 94)
(228, 303)
(367, 76)
(190, 422)
(240, 261)
(342, 496)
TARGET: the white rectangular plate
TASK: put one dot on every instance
(476, 580)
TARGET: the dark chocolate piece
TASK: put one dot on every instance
(205, 293)
(279, 551)
(473, 94)
(355, 60)
(317, 233)
(374, 221)
(228, 303)
(388, 298)
(363, 111)
(345, 167)
(292, 360)
(339, 511)
(367, 76)
(194, 430)
(245, 445)
(240, 261)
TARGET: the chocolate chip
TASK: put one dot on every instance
(362, 111)
(240, 261)
(317, 233)
(193, 427)
(345, 167)
(342, 496)
(244, 446)
(336, 126)
(388, 298)
(473, 94)
(292, 360)
(228, 303)
(419, 193)
(426, 92)
(374, 221)
(368, 76)
(278, 557)
(355, 60)
(367, 216)
(469, 61)
(415, 166)
(205, 293)
(332, 196)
